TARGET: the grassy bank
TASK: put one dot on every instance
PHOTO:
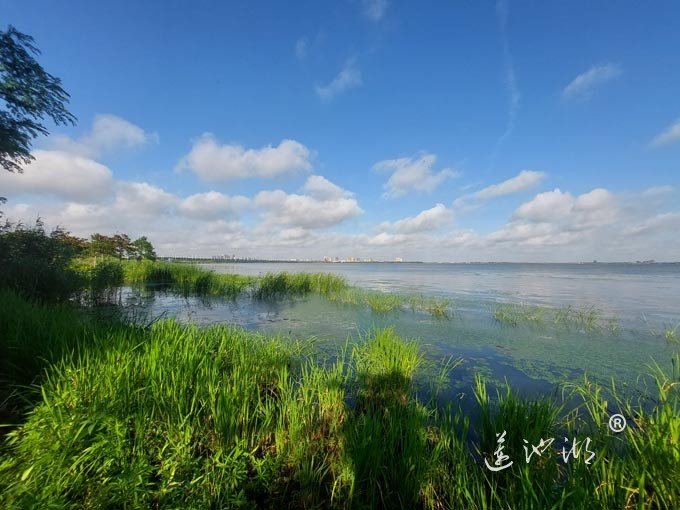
(178, 416)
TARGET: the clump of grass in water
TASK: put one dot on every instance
(671, 333)
(273, 285)
(587, 320)
(383, 303)
(186, 278)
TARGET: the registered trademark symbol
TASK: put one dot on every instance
(617, 423)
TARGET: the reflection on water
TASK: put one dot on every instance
(532, 359)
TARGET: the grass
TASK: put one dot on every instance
(173, 415)
(587, 319)
(384, 303)
(276, 285)
(186, 279)
(671, 333)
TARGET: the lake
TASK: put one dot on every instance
(634, 305)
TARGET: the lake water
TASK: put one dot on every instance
(636, 303)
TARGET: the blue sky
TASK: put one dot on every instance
(451, 131)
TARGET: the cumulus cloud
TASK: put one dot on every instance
(108, 133)
(558, 218)
(582, 87)
(212, 205)
(349, 77)
(668, 136)
(595, 208)
(375, 9)
(666, 223)
(62, 174)
(524, 180)
(385, 239)
(321, 188)
(429, 219)
(319, 209)
(140, 199)
(214, 162)
(412, 174)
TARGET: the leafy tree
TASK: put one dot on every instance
(73, 245)
(144, 249)
(122, 245)
(102, 245)
(28, 94)
(36, 264)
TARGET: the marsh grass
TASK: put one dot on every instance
(177, 416)
(385, 303)
(671, 333)
(277, 285)
(186, 279)
(586, 320)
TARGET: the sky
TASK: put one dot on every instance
(450, 131)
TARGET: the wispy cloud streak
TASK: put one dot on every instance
(509, 77)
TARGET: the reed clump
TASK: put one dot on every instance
(276, 285)
(587, 319)
(186, 279)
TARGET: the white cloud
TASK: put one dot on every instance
(349, 77)
(212, 205)
(668, 136)
(412, 174)
(667, 223)
(108, 133)
(317, 210)
(375, 9)
(214, 162)
(321, 188)
(140, 199)
(385, 239)
(595, 208)
(546, 207)
(556, 218)
(584, 84)
(429, 219)
(301, 48)
(61, 174)
(509, 76)
(524, 180)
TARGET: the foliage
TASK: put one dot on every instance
(28, 94)
(36, 264)
(143, 249)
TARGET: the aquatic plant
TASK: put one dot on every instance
(273, 285)
(186, 279)
(671, 333)
(586, 320)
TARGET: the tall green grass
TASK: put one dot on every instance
(276, 285)
(177, 416)
(185, 278)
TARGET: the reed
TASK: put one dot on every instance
(186, 279)
(275, 285)
(587, 319)
(172, 415)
